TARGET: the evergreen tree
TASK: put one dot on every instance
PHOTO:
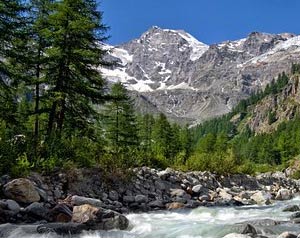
(121, 128)
(75, 30)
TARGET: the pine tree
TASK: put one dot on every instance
(75, 30)
(121, 124)
(11, 21)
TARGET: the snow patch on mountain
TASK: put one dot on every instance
(198, 48)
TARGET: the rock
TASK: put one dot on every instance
(291, 208)
(113, 195)
(21, 190)
(197, 189)
(295, 215)
(128, 199)
(37, 210)
(79, 200)
(61, 213)
(192, 204)
(160, 185)
(62, 228)
(283, 194)
(262, 197)
(236, 235)
(225, 195)
(13, 205)
(287, 234)
(156, 204)
(174, 205)
(177, 192)
(43, 194)
(249, 229)
(204, 198)
(99, 219)
(141, 198)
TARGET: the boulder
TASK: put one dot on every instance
(61, 213)
(283, 194)
(113, 195)
(21, 190)
(38, 210)
(128, 199)
(197, 189)
(291, 208)
(174, 205)
(249, 229)
(141, 198)
(156, 204)
(99, 219)
(261, 197)
(13, 205)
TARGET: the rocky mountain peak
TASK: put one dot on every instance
(178, 75)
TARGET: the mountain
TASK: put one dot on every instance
(170, 71)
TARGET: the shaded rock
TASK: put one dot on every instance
(37, 210)
(141, 198)
(174, 205)
(62, 228)
(287, 234)
(249, 229)
(291, 208)
(295, 215)
(79, 200)
(61, 213)
(21, 190)
(128, 199)
(13, 205)
(156, 204)
(113, 195)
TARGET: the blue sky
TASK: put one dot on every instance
(210, 21)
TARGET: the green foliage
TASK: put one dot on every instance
(22, 167)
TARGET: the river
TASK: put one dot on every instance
(202, 222)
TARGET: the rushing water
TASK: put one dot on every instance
(202, 222)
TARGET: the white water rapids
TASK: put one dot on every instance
(203, 222)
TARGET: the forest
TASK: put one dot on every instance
(56, 111)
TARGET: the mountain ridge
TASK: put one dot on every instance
(191, 81)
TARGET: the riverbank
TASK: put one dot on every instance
(65, 197)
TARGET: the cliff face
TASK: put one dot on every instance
(170, 71)
(275, 109)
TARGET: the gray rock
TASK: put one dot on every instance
(291, 208)
(113, 195)
(128, 199)
(177, 193)
(249, 229)
(13, 205)
(156, 204)
(141, 198)
(159, 185)
(197, 189)
(37, 210)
